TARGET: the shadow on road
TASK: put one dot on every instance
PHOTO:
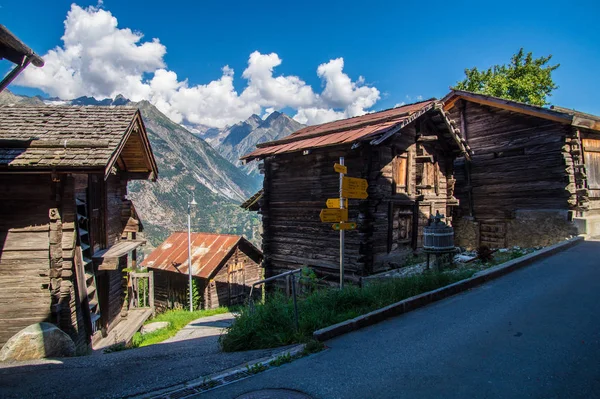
(120, 374)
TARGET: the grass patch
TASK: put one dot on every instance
(177, 319)
(272, 324)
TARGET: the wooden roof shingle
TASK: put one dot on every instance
(62, 136)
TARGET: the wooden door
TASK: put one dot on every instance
(237, 281)
(400, 233)
(96, 203)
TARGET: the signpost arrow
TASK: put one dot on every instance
(335, 203)
(340, 168)
(334, 215)
(354, 183)
(354, 194)
(344, 226)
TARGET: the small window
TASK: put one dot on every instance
(400, 172)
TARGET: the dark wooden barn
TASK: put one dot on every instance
(66, 226)
(223, 266)
(534, 171)
(406, 154)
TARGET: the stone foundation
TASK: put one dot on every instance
(532, 228)
(466, 233)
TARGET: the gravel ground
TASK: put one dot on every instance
(192, 353)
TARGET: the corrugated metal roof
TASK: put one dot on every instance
(339, 132)
(209, 251)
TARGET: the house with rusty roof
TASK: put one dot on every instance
(534, 177)
(406, 155)
(223, 266)
(67, 229)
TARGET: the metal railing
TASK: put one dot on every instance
(290, 275)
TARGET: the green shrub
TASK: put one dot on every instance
(271, 324)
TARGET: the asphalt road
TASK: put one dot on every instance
(534, 333)
(192, 353)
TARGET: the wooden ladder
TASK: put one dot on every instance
(88, 265)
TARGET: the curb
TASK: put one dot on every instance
(215, 380)
(426, 298)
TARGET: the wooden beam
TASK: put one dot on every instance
(512, 106)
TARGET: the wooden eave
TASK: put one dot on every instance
(508, 105)
(146, 148)
(459, 142)
(251, 204)
(108, 259)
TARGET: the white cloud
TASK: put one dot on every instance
(99, 59)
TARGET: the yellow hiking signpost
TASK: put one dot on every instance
(353, 187)
(334, 215)
(337, 208)
(340, 168)
(335, 203)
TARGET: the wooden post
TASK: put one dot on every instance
(137, 291)
(341, 230)
(151, 290)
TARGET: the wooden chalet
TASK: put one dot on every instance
(66, 227)
(224, 267)
(406, 154)
(534, 171)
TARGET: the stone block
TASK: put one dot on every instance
(38, 341)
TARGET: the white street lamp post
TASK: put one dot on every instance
(193, 202)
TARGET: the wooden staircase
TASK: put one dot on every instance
(88, 266)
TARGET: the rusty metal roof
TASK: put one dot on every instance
(340, 132)
(209, 252)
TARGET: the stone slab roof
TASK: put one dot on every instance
(62, 136)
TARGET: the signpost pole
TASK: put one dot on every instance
(341, 230)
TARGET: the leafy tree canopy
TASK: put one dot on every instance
(525, 79)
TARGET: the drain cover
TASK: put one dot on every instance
(274, 394)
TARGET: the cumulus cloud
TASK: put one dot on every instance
(100, 59)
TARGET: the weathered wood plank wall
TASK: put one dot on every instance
(295, 190)
(520, 162)
(25, 272)
(296, 187)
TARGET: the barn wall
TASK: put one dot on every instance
(231, 285)
(116, 190)
(296, 188)
(25, 273)
(71, 293)
(402, 197)
(521, 179)
(170, 290)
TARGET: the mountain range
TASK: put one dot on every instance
(237, 140)
(187, 163)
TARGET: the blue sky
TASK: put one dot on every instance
(404, 50)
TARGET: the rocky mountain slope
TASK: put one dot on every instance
(186, 163)
(242, 138)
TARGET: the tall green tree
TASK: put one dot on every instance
(524, 79)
